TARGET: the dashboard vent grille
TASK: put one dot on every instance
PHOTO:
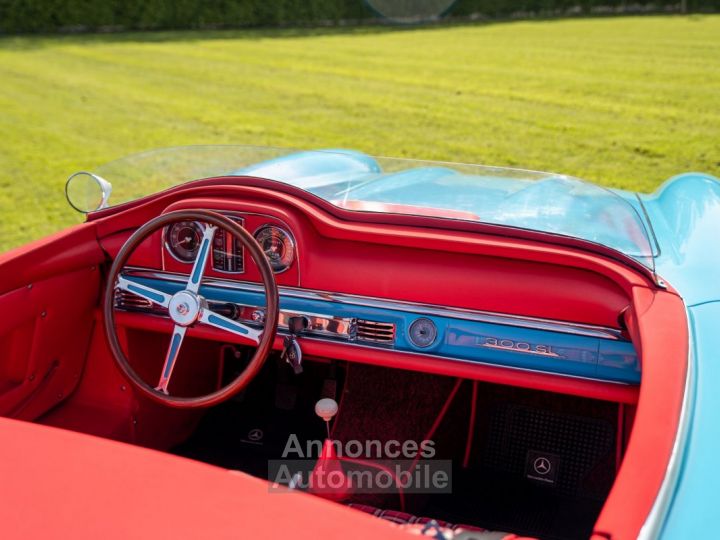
(377, 332)
(131, 302)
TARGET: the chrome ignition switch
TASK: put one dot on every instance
(292, 353)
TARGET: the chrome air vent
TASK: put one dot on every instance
(131, 302)
(377, 332)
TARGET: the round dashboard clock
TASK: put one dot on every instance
(182, 240)
(422, 333)
(278, 245)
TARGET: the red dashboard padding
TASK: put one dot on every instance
(70, 485)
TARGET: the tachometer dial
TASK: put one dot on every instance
(183, 240)
(278, 246)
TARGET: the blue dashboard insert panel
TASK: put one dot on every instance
(610, 358)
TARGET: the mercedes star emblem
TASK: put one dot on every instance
(542, 466)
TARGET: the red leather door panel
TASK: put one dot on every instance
(48, 291)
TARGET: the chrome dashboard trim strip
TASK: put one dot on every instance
(547, 325)
(320, 325)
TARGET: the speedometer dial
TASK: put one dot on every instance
(183, 240)
(278, 246)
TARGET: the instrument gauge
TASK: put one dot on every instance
(422, 333)
(182, 240)
(278, 246)
(227, 254)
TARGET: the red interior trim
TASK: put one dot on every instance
(71, 249)
(661, 329)
(619, 437)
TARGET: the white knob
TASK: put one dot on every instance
(326, 408)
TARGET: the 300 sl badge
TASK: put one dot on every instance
(517, 346)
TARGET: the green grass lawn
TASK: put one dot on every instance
(626, 102)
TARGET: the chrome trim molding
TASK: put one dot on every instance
(130, 301)
(376, 331)
(548, 325)
(655, 521)
(320, 325)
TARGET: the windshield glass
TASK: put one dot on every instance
(538, 201)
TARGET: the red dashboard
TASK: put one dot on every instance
(404, 260)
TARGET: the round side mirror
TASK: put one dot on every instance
(87, 192)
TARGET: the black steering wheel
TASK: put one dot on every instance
(187, 308)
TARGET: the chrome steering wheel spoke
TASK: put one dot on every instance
(148, 293)
(184, 308)
(172, 355)
(199, 267)
(223, 323)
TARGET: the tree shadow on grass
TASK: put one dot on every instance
(37, 41)
(373, 27)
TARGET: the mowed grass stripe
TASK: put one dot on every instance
(626, 102)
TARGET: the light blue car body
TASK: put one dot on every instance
(685, 215)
